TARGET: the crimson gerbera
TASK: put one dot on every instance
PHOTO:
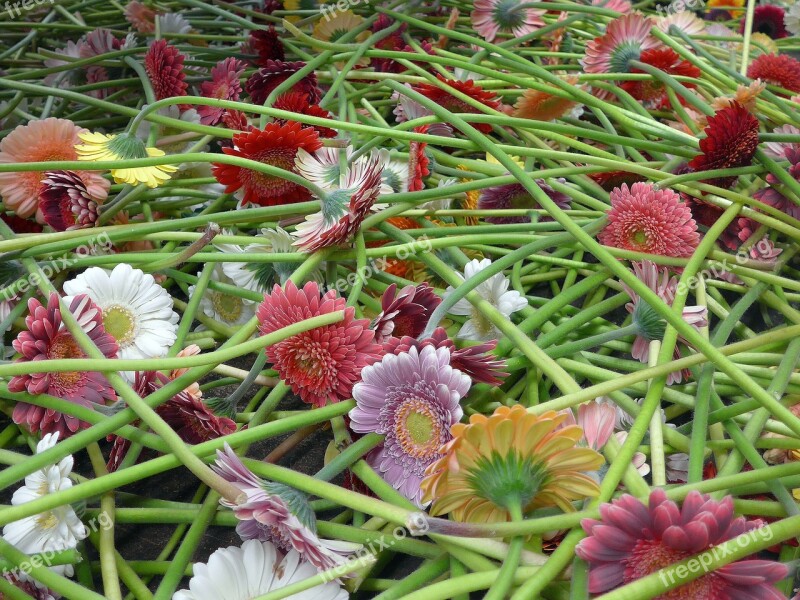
(276, 145)
(267, 45)
(297, 102)
(224, 85)
(667, 60)
(731, 141)
(769, 20)
(164, 66)
(322, 364)
(455, 105)
(776, 69)
(274, 73)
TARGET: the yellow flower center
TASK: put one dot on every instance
(417, 428)
(47, 520)
(119, 323)
(228, 307)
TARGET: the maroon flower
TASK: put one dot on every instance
(65, 202)
(769, 20)
(405, 313)
(514, 195)
(274, 73)
(266, 43)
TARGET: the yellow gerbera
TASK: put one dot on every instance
(470, 201)
(102, 147)
(735, 14)
(332, 29)
(511, 458)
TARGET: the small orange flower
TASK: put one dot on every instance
(543, 106)
(511, 458)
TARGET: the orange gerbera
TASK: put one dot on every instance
(41, 141)
(512, 458)
(544, 106)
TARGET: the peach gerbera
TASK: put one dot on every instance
(40, 141)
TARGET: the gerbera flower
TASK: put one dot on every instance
(712, 6)
(731, 141)
(55, 530)
(405, 313)
(746, 95)
(792, 19)
(137, 312)
(407, 109)
(510, 458)
(515, 17)
(65, 202)
(164, 66)
(418, 161)
(666, 60)
(776, 69)
(48, 338)
(254, 569)
(276, 513)
(632, 540)
(141, 16)
(597, 420)
(621, 6)
(650, 324)
(344, 209)
(275, 72)
(455, 105)
(685, 21)
(476, 361)
(40, 141)
(767, 20)
(277, 145)
(646, 219)
(267, 44)
(778, 149)
(543, 106)
(297, 102)
(102, 147)
(224, 308)
(333, 28)
(171, 23)
(413, 399)
(322, 364)
(495, 291)
(224, 85)
(514, 195)
(624, 41)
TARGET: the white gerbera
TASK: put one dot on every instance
(495, 291)
(253, 570)
(323, 167)
(137, 311)
(173, 23)
(792, 19)
(55, 530)
(226, 308)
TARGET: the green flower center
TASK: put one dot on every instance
(418, 429)
(507, 481)
(119, 323)
(650, 325)
(622, 56)
(126, 146)
(508, 15)
(228, 307)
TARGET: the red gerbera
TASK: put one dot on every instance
(276, 145)
(767, 19)
(65, 201)
(322, 364)
(224, 85)
(731, 141)
(664, 59)
(297, 102)
(164, 66)
(274, 73)
(450, 102)
(267, 45)
(776, 69)
(417, 162)
(236, 120)
(405, 313)
(645, 219)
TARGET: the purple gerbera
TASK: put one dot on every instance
(514, 195)
(48, 338)
(632, 540)
(413, 399)
(273, 512)
(406, 312)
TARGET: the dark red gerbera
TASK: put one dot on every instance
(706, 214)
(776, 69)
(405, 313)
(297, 102)
(164, 66)
(731, 141)
(767, 19)
(417, 162)
(667, 60)
(276, 145)
(274, 73)
(614, 179)
(65, 202)
(448, 101)
(224, 85)
(267, 45)
(20, 225)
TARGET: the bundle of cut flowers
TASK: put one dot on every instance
(399, 299)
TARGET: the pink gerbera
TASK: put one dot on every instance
(490, 17)
(344, 209)
(624, 41)
(273, 512)
(322, 364)
(650, 220)
(632, 540)
(47, 338)
(224, 85)
(40, 141)
(405, 313)
(650, 324)
(65, 202)
(164, 66)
